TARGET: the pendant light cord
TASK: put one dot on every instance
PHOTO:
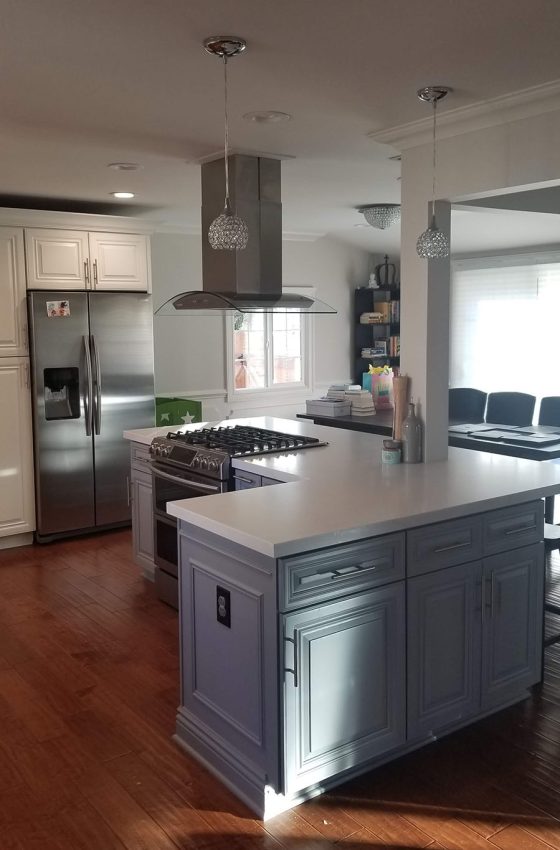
(434, 162)
(226, 135)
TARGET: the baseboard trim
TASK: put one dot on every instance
(11, 541)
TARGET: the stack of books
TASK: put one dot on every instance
(362, 402)
(371, 318)
(337, 392)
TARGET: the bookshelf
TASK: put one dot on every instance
(385, 334)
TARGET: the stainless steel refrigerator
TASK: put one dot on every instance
(92, 368)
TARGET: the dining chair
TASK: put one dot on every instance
(466, 404)
(510, 408)
(549, 414)
(549, 411)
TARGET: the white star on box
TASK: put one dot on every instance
(187, 418)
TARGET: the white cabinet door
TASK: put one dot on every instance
(13, 312)
(119, 261)
(57, 259)
(17, 503)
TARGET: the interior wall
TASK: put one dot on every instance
(189, 351)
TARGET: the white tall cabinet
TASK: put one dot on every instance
(17, 503)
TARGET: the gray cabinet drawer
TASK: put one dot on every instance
(444, 544)
(139, 455)
(336, 571)
(245, 480)
(510, 528)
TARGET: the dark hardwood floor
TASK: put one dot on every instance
(88, 691)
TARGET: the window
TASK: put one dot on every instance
(503, 325)
(269, 352)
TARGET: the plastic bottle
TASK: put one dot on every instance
(411, 437)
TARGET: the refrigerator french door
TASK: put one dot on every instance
(92, 370)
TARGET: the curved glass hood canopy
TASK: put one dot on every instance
(216, 303)
(248, 280)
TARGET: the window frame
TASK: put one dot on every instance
(279, 392)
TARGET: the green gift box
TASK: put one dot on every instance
(177, 411)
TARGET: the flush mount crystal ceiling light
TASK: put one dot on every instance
(228, 232)
(381, 216)
(432, 244)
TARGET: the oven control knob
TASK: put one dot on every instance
(196, 461)
(164, 451)
(204, 463)
(213, 465)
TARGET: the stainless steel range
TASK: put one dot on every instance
(198, 463)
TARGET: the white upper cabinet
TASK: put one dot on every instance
(17, 501)
(57, 259)
(75, 259)
(119, 261)
(13, 310)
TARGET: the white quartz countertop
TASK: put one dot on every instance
(342, 491)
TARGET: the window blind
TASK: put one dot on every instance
(505, 328)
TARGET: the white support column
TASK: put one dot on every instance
(425, 310)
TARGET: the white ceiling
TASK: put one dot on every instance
(89, 83)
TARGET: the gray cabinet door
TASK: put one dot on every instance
(345, 702)
(443, 637)
(142, 521)
(512, 637)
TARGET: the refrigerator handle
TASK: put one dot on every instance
(88, 395)
(97, 382)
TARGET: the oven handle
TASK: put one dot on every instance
(177, 480)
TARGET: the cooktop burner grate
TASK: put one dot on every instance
(240, 440)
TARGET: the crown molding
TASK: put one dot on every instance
(178, 229)
(302, 235)
(477, 116)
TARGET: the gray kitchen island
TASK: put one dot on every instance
(356, 611)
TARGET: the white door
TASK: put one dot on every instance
(17, 503)
(119, 261)
(13, 312)
(57, 259)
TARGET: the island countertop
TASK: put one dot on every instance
(342, 492)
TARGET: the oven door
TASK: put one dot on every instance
(169, 485)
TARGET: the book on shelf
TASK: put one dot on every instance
(395, 312)
(395, 346)
(374, 318)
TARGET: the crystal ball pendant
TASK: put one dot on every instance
(228, 232)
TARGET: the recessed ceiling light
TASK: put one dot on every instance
(268, 116)
(122, 194)
(124, 166)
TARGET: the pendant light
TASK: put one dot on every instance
(381, 216)
(227, 232)
(432, 244)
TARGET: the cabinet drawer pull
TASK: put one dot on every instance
(521, 530)
(293, 670)
(452, 547)
(245, 481)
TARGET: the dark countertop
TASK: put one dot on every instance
(380, 423)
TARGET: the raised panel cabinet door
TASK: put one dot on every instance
(142, 521)
(345, 699)
(17, 504)
(57, 259)
(443, 646)
(512, 632)
(119, 261)
(13, 312)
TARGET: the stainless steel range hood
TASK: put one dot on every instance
(247, 281)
